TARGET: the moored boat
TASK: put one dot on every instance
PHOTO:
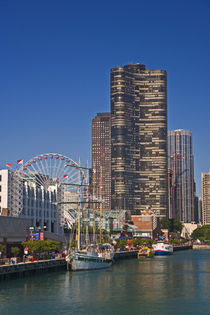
(162, 248)
(145, 252)
(94, 257)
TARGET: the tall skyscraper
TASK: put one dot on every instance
(181, 162)
(101, 158)
(200, 213)
(139, 139)
(206, 198)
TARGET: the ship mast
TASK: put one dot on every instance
(86, 237)
(78, 232)
(100, 204)
(94, 222)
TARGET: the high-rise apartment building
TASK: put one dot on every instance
(200, 212)
(101, 159)
(206, 198)
(181, 162)
(139, 139)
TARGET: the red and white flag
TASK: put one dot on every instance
(9, 165)
(65, 176)
(20, 162)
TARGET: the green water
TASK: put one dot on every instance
(178, 284)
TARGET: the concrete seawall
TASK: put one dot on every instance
(21, 269)
(29, 268)
(201, 246)
(125, 255)
(183, 247)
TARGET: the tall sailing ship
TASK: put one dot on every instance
(92, 256)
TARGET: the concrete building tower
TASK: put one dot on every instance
(206, 198)
(181, 162)
(101, 158)
(139, 139)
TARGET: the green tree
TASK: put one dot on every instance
(173, 225)
(165, 224)
(2, 248)
(177, 225)
(201, 233)
(121, 243)
(41, 246)
(15, 251)
(137, 241)
(148, 241)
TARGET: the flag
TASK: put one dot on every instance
(20, 162)
(9, 165)
(65, 176)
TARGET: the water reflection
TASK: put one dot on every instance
(180, 283)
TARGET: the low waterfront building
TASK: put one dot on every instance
(27, 199)
(146, 224)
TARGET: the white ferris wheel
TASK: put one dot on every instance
(53, 169)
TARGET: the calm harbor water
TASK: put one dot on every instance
(178, 284)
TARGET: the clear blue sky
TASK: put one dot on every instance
(55, 62)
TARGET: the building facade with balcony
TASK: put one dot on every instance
(139, 139)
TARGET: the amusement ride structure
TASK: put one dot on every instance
(60, 172)
(55, 173)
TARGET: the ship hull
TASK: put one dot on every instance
(162, 253)
(163, 249)
(80, 262)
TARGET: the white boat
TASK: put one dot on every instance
(162, 248)
(94, 257)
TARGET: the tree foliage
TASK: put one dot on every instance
(165, 224)
(15, 251)
(41, 246)
(173, 225)
(2, 248)
(201, 233)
